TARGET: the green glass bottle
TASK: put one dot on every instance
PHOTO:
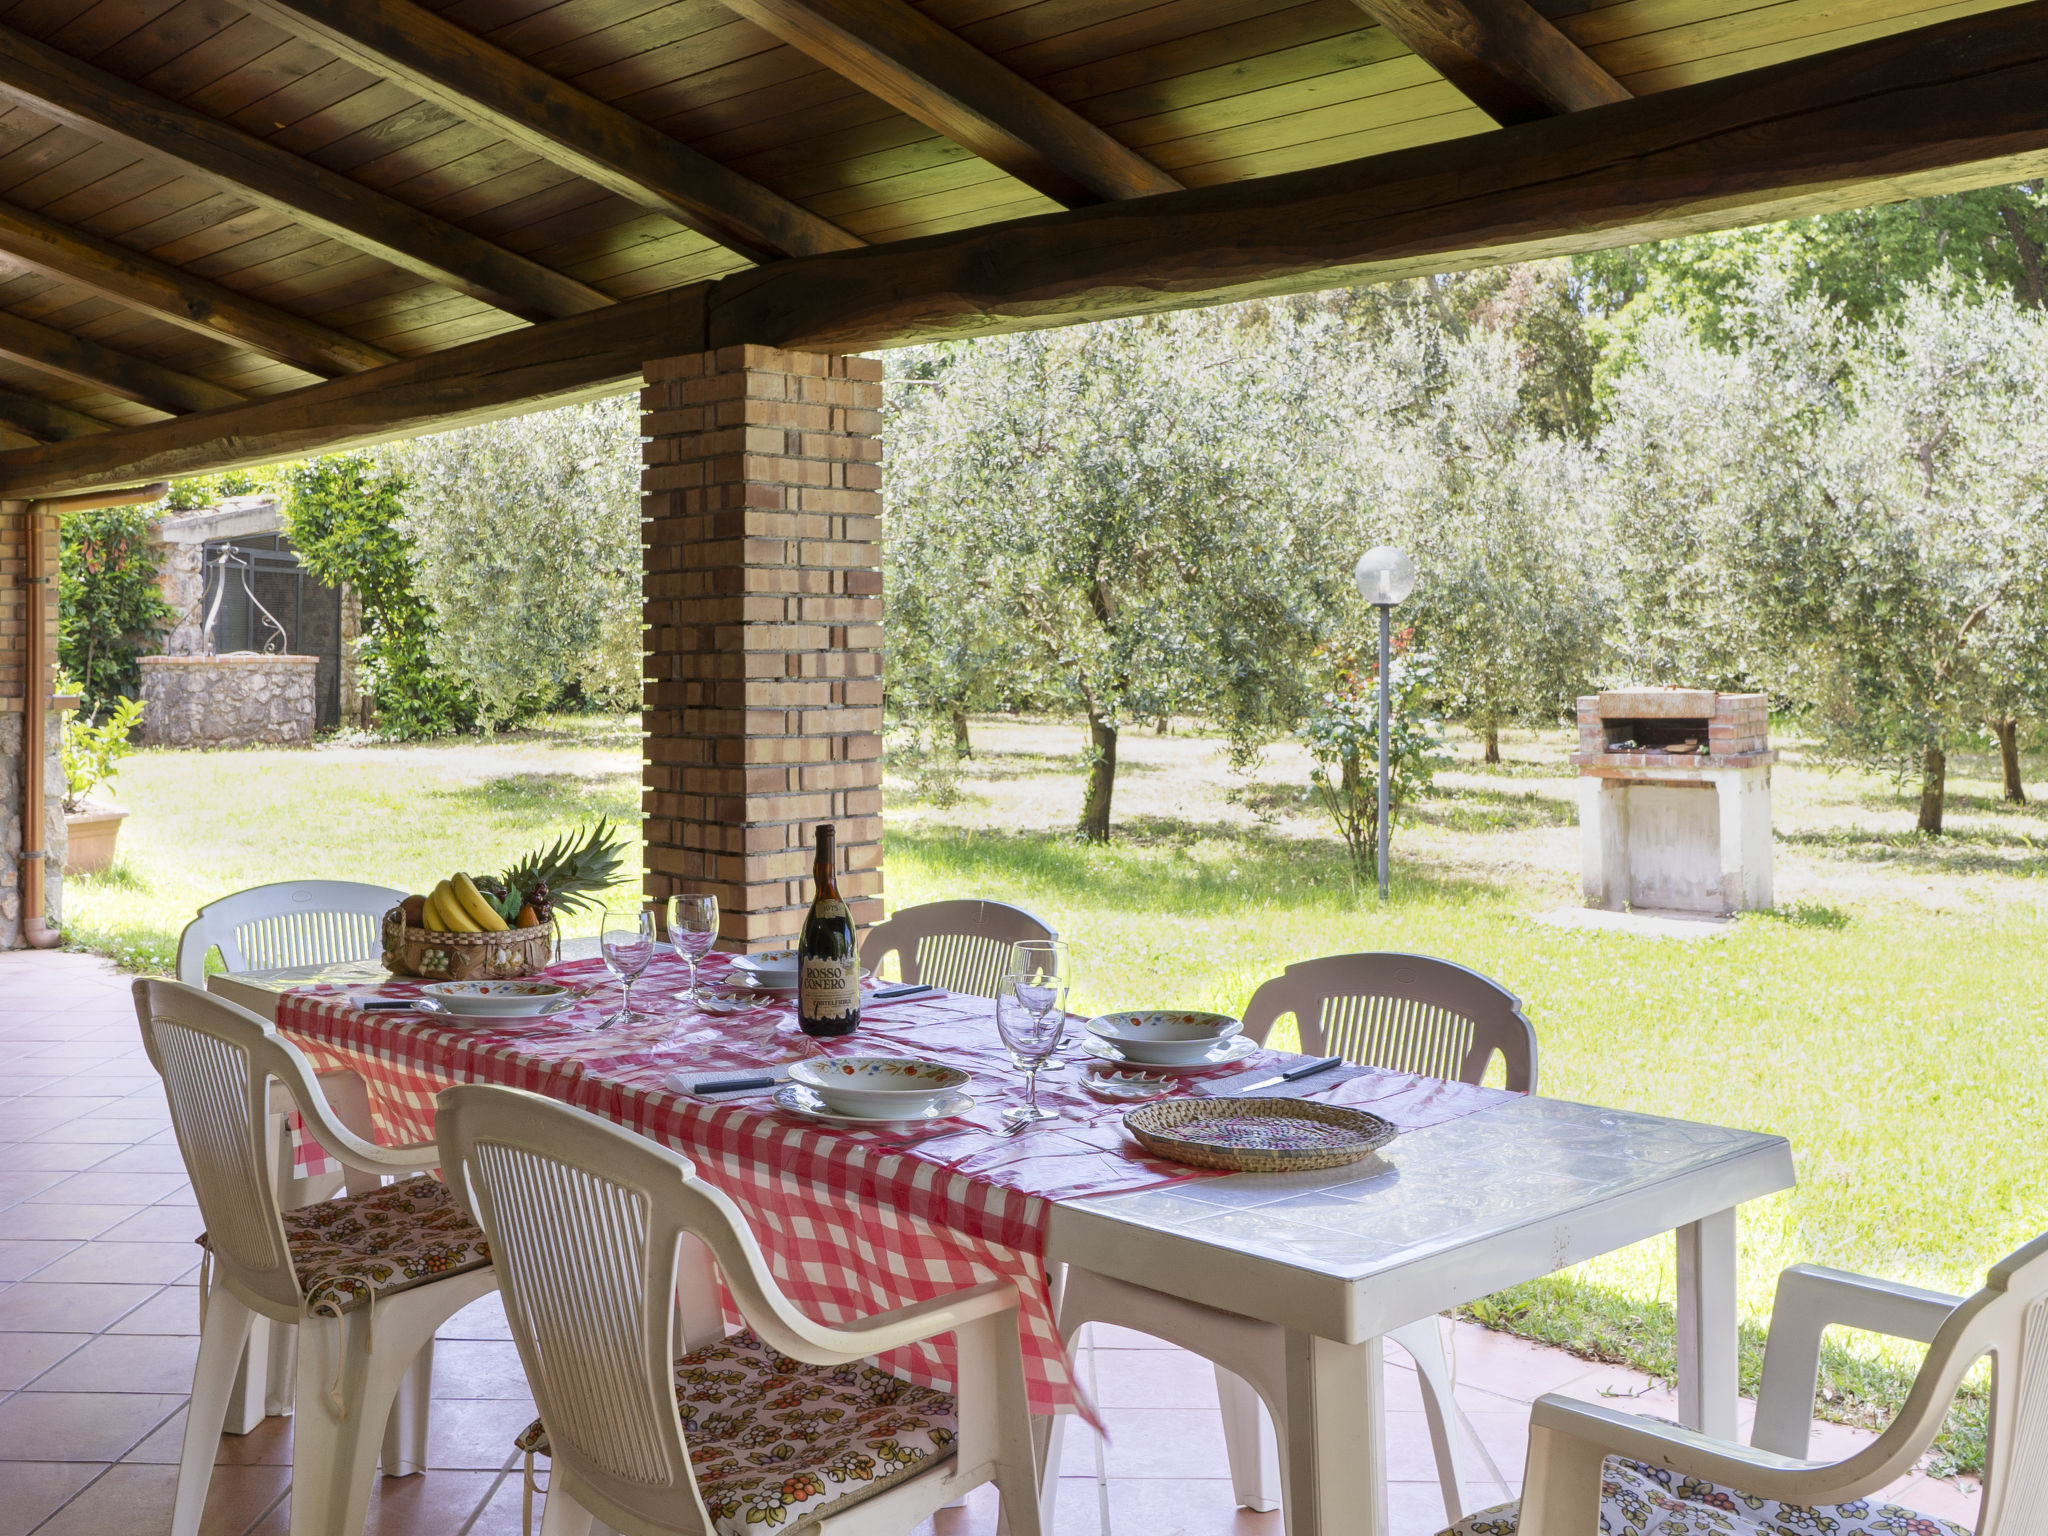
(828, 959)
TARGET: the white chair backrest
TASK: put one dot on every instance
(1406, 1013)
(585, 1220)
(963, 946)
(217, 1062)
(297, 922)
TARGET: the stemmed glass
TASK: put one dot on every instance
(1031, 1016)
(692, 930)
(627, 943)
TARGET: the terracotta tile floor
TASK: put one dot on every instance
(99, 1324)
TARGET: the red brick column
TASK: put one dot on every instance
(19, 600)
(763, 584)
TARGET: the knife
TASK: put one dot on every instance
(891, 994)
(737, 1084)
(1291, 1075)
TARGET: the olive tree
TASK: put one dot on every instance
(1135, 515)
(526, 540)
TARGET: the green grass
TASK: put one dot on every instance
(1889, 1018)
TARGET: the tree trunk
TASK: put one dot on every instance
(1101, 779)
(2008, 733)
(1162, 725)
(1493, 743)
(962, 747)
(1933, 787)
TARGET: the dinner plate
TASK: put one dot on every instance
(738, 979)
(799, 1100)
(1236, 1048)
(500, 999)
(446, 1015)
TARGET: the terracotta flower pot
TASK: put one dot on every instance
(89, 840)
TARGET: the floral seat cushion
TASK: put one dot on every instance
(350, 1251)
(778, 1445)
(1641, 1500)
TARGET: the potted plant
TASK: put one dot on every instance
(92, 756)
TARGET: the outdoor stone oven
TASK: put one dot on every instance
(1675, 800)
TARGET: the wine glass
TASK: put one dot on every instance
(627, 943)
(1031, 1016)
(692, 930)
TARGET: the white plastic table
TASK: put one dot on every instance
(1441, 1217)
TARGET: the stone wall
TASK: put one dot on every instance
(764, 596)
(238, 700)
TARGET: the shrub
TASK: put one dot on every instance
(343, 517)
(1343, 735)
(92, 753)
(109, 610)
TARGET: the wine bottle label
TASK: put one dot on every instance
(829, 989)
(831, 906)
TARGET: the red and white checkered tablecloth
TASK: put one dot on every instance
(853, 1222)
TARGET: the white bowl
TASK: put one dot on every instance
(776, 969)
(516, 999)
(1164, 1037)
(878, 1087)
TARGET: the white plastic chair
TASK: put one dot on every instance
(1570, 1441)
(963, 946)
(296, 922)
(1406, 1013)
(364, 1373)
(587, 1221)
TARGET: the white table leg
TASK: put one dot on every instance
(1248, 1443)
(1707, 1378)
(1334, 1438)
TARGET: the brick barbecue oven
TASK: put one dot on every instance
(1675, 800)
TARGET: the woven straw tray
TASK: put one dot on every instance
(1258, 1135)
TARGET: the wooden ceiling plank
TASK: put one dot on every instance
(141, 282)
(1939, 109)
(893, 50)
(471, 78)
(1506, 56)
(45, 419)
(84, 361)
(52, 84)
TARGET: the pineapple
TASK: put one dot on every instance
(570, 874)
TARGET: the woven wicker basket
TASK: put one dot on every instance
(1328, 1135)
(410, 950)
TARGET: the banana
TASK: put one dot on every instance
(452, 914)
(430, 915)
(474, 907)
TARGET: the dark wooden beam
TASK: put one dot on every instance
(141, 282)
(461, 73)
(1505, 55)
(52, 84)
(895, 51)
(35, 417)
(100, 367)
(1937, 110)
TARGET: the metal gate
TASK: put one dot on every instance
(257, 597)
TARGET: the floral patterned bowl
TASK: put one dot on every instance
(878, 1087)
(513, 998)
(1163, 1037)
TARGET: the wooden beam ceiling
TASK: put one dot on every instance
(52, 84)
(101, 367)
(893, 50)
(35, 417)
(128, 277)
(1506, 56)
(1939, 109)
(462, 74)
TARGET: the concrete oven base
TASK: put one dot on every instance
(1678, 840)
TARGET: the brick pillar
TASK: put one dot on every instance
(18, 600)
(763, 584)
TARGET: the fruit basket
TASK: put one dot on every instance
(412, 950)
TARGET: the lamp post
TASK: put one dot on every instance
(1385, 576)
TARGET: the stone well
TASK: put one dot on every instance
(239, 700)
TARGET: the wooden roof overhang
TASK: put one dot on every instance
(236, 232)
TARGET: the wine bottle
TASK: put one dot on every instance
(828, 961)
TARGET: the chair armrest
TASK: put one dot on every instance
(1569, 1441)
(1810, 1299)
(819, 1344)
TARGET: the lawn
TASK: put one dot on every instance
(1889, 1018)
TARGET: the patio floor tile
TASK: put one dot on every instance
(96, 1351)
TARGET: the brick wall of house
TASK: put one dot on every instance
(762, 487)
(17, 601)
